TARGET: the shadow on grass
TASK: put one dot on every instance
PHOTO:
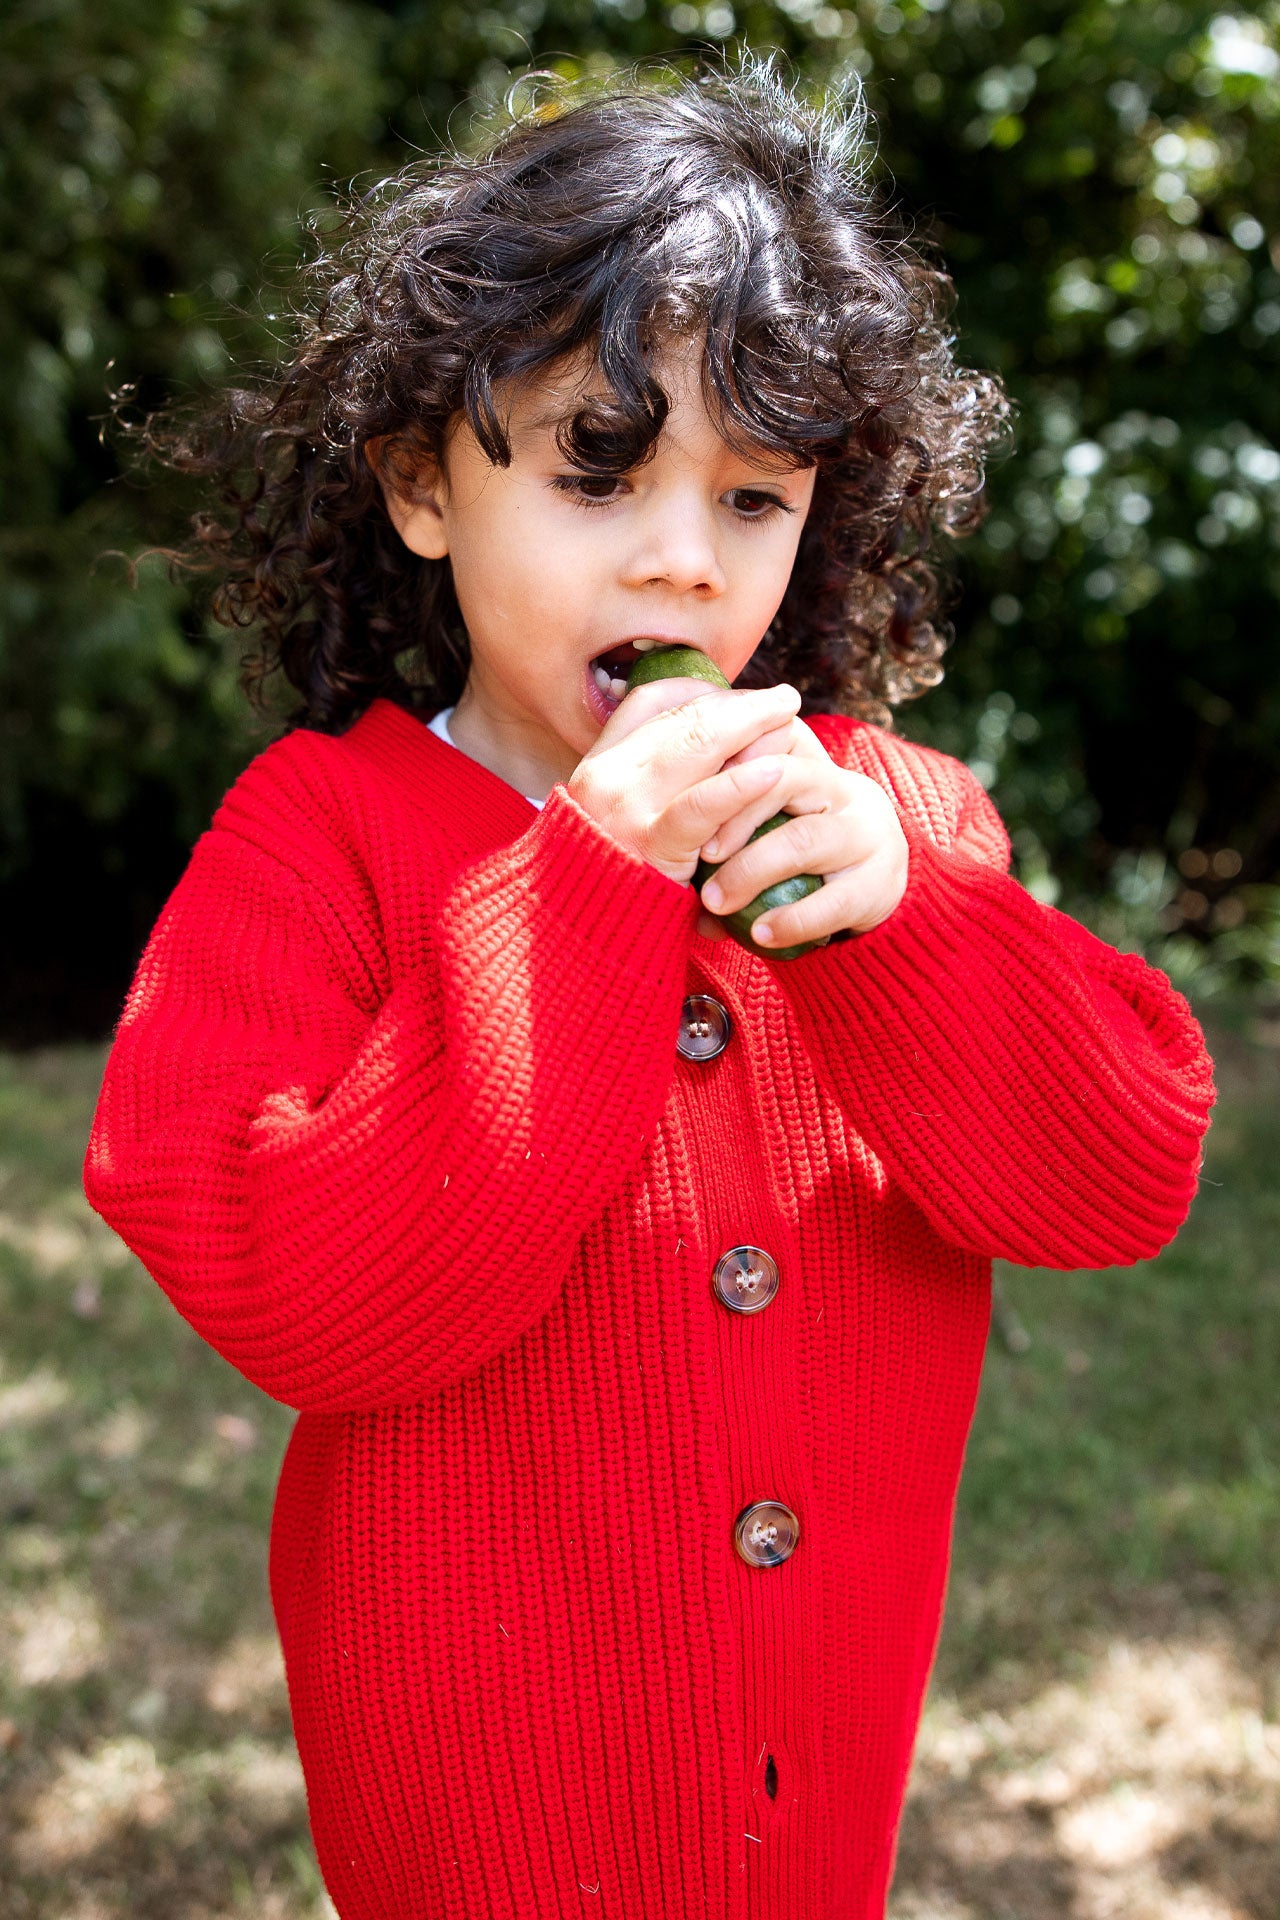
(1101, 1741)
(147, 1766)
(1102, 1734)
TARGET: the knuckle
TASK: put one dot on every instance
(698, 731)
(585, 788)
(683, 824)
(801, 833)
(791, 924)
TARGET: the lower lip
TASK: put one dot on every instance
(601, 704)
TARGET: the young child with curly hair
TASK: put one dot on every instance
(631, 1282)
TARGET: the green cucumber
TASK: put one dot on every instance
(674, 663)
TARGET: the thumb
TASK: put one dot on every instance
(645, 703)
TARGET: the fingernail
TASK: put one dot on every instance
(711, 849)
(713, 896)
(763, 932)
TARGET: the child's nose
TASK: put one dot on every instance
(676, 546)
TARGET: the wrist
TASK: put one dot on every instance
(607, 815)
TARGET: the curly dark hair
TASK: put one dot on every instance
(597, 219)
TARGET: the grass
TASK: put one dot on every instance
(1103, 1731)
(147, 1768)
(1101, 1738)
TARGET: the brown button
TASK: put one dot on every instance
(765, 1533)
(705, 1028)
(745, 1279)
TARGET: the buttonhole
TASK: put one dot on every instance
(771, 1778)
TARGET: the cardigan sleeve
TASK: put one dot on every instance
(358, 1198)
(1041, 1097)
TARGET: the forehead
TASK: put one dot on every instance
(551, 399)
(555, 394)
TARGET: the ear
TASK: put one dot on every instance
(414, 492)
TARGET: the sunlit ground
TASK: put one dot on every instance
(147, 1771)
(1102, 1738)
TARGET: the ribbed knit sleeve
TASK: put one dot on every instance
(359, 1196)
(1042, 1097)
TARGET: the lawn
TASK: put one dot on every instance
(1102, 1738)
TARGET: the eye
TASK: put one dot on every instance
(751, 504)
(577, 486)
(763, 505)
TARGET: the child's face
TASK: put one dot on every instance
(553, 567)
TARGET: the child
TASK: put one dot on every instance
(631, 1285)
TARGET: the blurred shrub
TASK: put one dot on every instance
(151, 155)
(1101, 179)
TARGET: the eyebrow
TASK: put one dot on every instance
(550, 418)
(561, 415)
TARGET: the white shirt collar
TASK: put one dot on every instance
(439, 725)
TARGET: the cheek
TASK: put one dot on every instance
(529, 565)
(768, 567)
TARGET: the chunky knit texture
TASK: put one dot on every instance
(396, 1118)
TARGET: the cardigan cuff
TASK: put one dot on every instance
(941, 893)
(938, 881)
(597, 887)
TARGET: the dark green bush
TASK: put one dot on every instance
(1101, 178)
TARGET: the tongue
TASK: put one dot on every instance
(618, 661)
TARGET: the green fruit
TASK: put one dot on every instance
(674, 663)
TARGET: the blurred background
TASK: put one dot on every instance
(1102, 179)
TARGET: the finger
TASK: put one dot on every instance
(655, 697)
(700, 810)
(851, 900)
(834, 908)
(804, 789)
(734, 833)
(778, 740)
(665, 707)
(694, 741)
(816, 843)
(797, 737)
(677, 730)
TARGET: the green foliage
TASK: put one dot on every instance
(1104, 192)
(152, 155)
(1102, 180)
(136, 1475)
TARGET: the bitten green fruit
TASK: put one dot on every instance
(674, 663)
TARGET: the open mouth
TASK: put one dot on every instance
(607, 673)
(609, 670)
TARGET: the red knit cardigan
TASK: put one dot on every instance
(396, 1118)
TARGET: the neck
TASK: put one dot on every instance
(525, 759)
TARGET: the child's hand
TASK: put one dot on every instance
(657, 781)
(845, 827)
